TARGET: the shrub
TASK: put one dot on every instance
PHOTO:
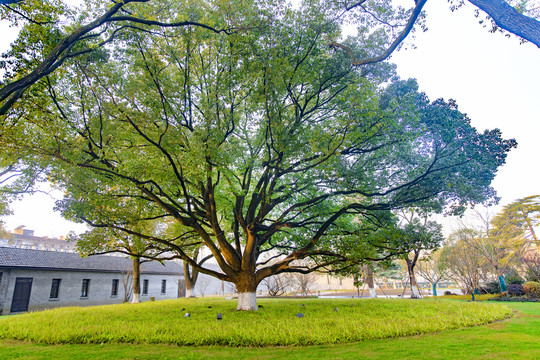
(512, 277)
(532, 288)
(492, 287)
(515, 290)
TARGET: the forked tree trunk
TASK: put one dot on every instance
(136, 281)
(191, 279)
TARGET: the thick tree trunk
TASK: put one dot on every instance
(508, 18)
(136, 281)
(247, 301)
(247, 293)
(369, 281)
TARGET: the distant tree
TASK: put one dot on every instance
(522, 215)
(418, 234)
(127, 282)
(461, 261)
(202, 285)
(499, 242)
(107, 240)
(277, 285)
(531, 264)
(431, 268)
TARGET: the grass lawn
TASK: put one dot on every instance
(518, 337)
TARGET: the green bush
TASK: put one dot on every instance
(512, 277)
(492, 287)
(532, 288)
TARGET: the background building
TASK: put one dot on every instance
(37, 279)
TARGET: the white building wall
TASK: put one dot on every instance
(71, 285)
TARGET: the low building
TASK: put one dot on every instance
(36, 279)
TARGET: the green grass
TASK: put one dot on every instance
(482, 297)
(513, 338)
(276, 324)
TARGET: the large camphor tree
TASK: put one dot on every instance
(265, 144)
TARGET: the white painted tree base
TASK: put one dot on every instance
(415, 294)
(190, 293)
(135, 299)
(372, 293)
(247, 301)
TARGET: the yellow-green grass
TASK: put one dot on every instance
(275, 324)
(482, 297)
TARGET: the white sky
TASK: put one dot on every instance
(494, 79)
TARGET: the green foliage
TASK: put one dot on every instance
(163, 322)
(461, 262)
(492, 287)
(520, 217)
(513, 277)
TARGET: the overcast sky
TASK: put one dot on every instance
(494, 79)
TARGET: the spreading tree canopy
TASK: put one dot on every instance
(266, 145)
(53, 32)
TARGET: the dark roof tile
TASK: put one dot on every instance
(27, 258)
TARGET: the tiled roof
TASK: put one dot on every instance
(27, 258)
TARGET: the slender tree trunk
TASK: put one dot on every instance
(136, 280)
(415, 294)
(434, 285)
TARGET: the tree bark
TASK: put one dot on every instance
(369, 281)
(247, 292)
(508, 18)
(415, 294)
(434, 285)
(136, 280)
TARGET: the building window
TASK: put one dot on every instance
(55, 288)
(85, 287)
(163, 286)
(114, 290)
(145, 287)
